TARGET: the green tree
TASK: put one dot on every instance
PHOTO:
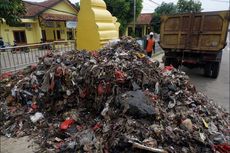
(11, 11)
(183, 6)
(123, 10)
(163, 9)
(77, 5)
(188, 6)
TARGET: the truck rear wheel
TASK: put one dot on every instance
(215, 69)
(207, 70)
(212, 69)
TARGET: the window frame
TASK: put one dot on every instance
(20, 37)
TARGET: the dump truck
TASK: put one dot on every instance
(195, 40)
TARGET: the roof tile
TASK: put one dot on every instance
(145, 18)
(34, 8)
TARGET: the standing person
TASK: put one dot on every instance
(150, 45)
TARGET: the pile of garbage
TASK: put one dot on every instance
(116, 100)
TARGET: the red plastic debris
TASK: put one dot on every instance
(120, 76)
(222, 148)
(95, 54)
(59, 71)
(97, 126)
(34, 106)
(66, 124)
(79, 127)
(108, 88)
(83, 93)
(6, 75)
(168, 68)
(34, 86)
(33, 67)
(100, 89)
(59, 145)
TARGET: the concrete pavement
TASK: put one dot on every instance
(17, 145)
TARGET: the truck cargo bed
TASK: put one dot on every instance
(206, 31)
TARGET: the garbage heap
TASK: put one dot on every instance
(116, 100)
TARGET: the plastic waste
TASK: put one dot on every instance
(36, 117)
(66, 124)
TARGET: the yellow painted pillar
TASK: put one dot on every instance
(55, 31)
(38, 32)
(96, 25)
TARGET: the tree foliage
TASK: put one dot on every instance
(166, 8)
(183, 6)
(123, 10)
(11, 11)
(188, 6)
(163, 9)
(77, 5)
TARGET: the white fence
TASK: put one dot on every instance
(18, 57)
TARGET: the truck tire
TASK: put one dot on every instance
(207, 70)
(215, 69)
(211, 69)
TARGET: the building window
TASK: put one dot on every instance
(70, 35)
(130, 31)
(58, 35)
(19, 36)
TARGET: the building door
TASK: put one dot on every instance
(44, 35)
(20, 37)
(138, 32)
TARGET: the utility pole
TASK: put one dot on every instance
(134, 17)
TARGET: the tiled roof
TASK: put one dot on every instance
(34, 8)
(58, 17)
(145, 18)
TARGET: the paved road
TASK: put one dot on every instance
(216, 89)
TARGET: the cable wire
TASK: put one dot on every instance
(154, 2)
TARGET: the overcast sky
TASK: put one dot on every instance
(207, 5)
